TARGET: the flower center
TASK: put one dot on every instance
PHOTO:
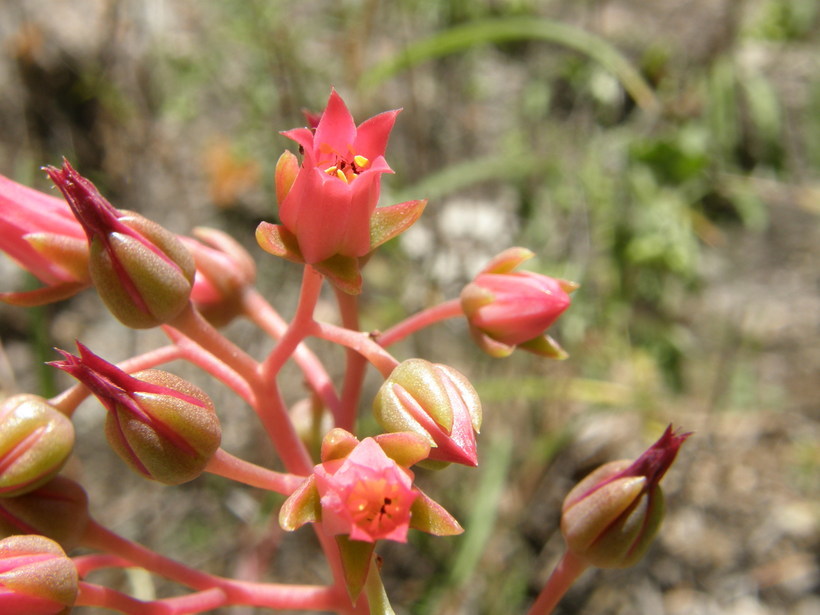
(375, 504)
(346, 168)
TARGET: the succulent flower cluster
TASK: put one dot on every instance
(354, 489)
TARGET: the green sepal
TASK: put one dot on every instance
(404, 447)
(545, 346)
(508, 260)
(344, 272)
(355, 555)
(337, 444)
(429, 516)
(279, 241)
(44, 295)
(302, 506)
(388, 222)
(494, 348)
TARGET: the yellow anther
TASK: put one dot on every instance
(340, 174)
(331, 170)
(360, 161)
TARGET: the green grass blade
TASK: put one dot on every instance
(482, 32)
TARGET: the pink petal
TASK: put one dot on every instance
(372, 134)
(336, 129)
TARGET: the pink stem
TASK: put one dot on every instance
(89, 563)
(99, 537)
(192, 325)
(195, 354)
(299, 326)
(261, 313)
(561, 579)
(271, 595)
(67, 401)
(225, 464)
(356, 364)
(105, 597)
(96, 595)
(271, 409)
(361, 342)
(280, 596)
(425, 318)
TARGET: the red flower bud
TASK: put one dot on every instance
(35, 441)
(142, 271)
(224, 269)
(610, 518)
(164, 427)
(57, 510)
(41, 234)
(436, 402)
(36, 577)
(506, 309)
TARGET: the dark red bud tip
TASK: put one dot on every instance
(106, 381)
(92, 210)
(656, 460)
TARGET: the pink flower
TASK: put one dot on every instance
(329, 205)
(366, 495)
(41, 234)
(363, 492)
(506, 309)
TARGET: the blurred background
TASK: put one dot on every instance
(664, 155)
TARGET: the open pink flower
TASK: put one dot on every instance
(329, 205)
(40, 233)
(366, 495)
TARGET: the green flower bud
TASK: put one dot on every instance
(175, 435)
(36, 577)
(610, 518)
(162, 426)
(57, 510)
(35, 442)
(144, 277)
(142, 271)
(436, 402)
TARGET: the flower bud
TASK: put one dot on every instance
(35, 441)
(506, 309)
(610, 518)
(141, 271)
(57, 510)
(224, 269)
(36, 577)
(40, 233)
(436, 402)
(162, 426)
